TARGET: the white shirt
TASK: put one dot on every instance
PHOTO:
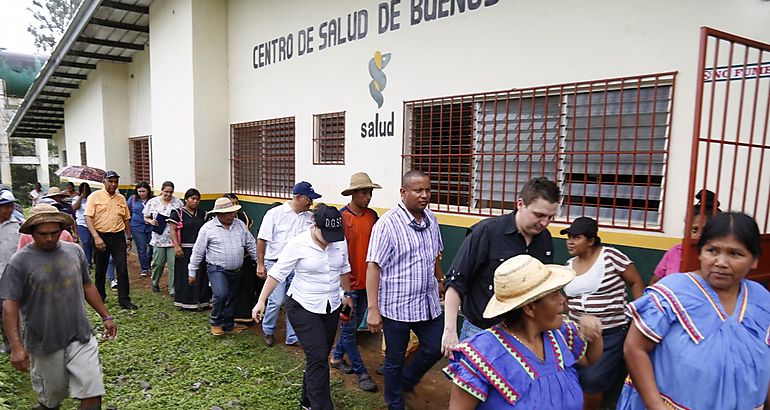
(279, 225)
(9, 241)
(317, 271)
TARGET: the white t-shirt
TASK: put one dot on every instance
(281, 224)
(317, 271)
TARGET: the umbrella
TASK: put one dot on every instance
(82, 172)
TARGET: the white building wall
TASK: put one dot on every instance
(139, 101)
(510, 44)
(84, 122)
(115, 112)
(171, 94)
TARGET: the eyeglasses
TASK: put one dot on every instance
(413, 223)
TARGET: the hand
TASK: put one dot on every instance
(448, 341)
(590, 328)
(191, 280)
(178, 251)
(261, 271)
(99, 243)
(151, 222)
(374, 320)
(109, 329)
(348, 301)
(20, 359)
(128, 245)
(259, 311)
(441, 290)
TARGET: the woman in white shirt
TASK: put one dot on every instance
(319, 259)
(156, 211)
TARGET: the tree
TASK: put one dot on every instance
(52, 18)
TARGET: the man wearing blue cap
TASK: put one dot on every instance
(279, 225)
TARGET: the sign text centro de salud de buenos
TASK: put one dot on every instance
(337, 31)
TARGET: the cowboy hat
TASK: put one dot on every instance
(360, 180)
(524, 279)
(54, 192)
(44, 213)
(223, 206)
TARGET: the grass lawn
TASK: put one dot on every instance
(164, 358)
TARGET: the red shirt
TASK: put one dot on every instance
(358, 229)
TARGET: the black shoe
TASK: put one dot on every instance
(341, 365)
(156, 289)
(129, 306)
(380, 369)
(365, 383)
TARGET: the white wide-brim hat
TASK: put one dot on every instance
(223, 206)
(523, 279)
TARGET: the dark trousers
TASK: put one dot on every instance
(399, 377)
(115, 243)
(347, 341)
(316, 334)
(224, 286)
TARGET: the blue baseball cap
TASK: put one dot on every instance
(306, 189)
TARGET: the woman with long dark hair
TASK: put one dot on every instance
(185, 224)
(701, 339)
(140, 230)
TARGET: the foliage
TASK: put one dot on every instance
(164, 358)
(52, 18)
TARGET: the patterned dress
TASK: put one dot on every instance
(500, 371)
(704, 359)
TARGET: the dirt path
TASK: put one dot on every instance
(431, 393)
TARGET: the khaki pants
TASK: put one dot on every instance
(76, 367)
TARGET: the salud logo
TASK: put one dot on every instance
(379, 81)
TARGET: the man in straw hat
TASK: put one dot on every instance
(278, 226)
(532, 354)
(56, 198)
(222, 241)
(402, 286)
(9, 238)
(47, 281)
(488, 244)
(358, 220)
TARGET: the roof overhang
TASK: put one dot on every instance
(101, 30)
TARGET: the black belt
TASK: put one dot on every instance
(271, 260)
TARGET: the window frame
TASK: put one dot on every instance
(268, 175)
(134, 164)
(320, 138)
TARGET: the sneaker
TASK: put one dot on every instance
(144, 274)
(269, 340)
(365, 383)
(341, 365)
(217, 330)
(114, 284)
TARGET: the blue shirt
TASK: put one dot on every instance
(136, 208)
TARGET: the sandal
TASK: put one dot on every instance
(365, 383)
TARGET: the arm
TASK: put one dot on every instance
(175, 240)
(95, 300)
(127, 223)
(636, 350)
(451, 306)
(461, 399)
(259, 309)
(633, 279)
(77, 203)
(19, 355)
(251, 243)
(261, 247)
(345, 285)
(439, 272)
(373, 318)
(147, 214)
(98, 242)
(199, 250)
(590, 330)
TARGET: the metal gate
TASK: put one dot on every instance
(731, 148)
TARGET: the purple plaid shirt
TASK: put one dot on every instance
(407, 257)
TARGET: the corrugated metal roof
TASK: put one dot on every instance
(101, 30)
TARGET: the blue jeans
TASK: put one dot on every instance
(143, 249)
(223, 286)
(398, 377)
(347, 340)
(87, 242)
(469, 330)
(273, 308)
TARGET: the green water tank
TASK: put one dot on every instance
(19, 71)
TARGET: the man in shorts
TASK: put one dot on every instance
(47, 282)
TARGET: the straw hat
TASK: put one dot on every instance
(224, 205)
(360, 180)
(54, 192)
(44, 213)
(524, 279)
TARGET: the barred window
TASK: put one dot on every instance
(603, 142)
(329, 139)
(83, 154)
(64, 157)
(140, 159)
(262, 157)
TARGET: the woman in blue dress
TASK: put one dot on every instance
(701, 340)
(528, 360)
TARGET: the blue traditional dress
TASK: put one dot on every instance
(496, 368)
(704, 359)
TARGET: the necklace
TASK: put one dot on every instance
(537, 350)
